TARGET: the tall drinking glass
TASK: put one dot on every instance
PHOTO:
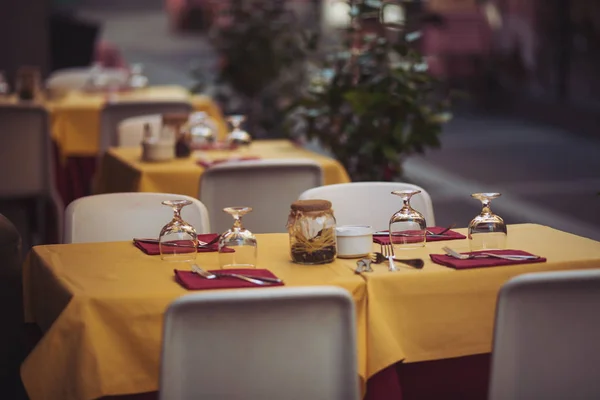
(178, 240)
(237, 246)
(487, 230)
(407, 226)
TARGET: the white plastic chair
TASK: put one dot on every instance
(546, 337)
(131, 130)
(268, 186)
(122, 216)
(76, 78)
(113, 113)
(370, 203)
(271, 343)
(26, 163)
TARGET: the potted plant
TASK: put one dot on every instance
(373, 103)
(262, 49)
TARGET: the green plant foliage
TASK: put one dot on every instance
(262, 50)
(373, 102)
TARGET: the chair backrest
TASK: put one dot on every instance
(370, 203)
(546, 337)
(76, 78)
(26, 154)
(113, 113)
(123, 216)
(268, 186)
(271, 343)
(131, 130)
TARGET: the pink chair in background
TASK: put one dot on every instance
(109, 55)
(464, 37)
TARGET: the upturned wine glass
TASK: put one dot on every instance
(238, 135)
(407, 226)
(237, 246)
(202, 130)
(178, 240)
(487, 230)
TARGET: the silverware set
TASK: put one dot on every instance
(174, 244)
(512, 257)
(257, 280)
(386, 254)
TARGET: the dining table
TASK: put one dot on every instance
(100, 307)
(75, 129)
(122, 169)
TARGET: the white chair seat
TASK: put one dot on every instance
(131, 130)
(546, 337)
(370, 203)
(114, 113)
(123, 216)
(273, 343)
(76, 78)
(268, 186)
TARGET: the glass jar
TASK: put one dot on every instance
(311, 226)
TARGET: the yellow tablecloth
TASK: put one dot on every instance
(101, 309)
(123, 171)
(101, 306)
(439, 312)
(75, 117)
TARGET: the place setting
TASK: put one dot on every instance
(179, 244)
(408, 230)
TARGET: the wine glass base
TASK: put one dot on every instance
(237, 266)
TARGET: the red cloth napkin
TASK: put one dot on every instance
(449, 235)
(210, 163)
(482, 262)
(193, 281)
(153, 249)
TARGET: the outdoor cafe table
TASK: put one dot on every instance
(75, 117)
(101, 305)
(86, 298)
(75, 130)
(122, 169)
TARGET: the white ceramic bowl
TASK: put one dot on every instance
(354, 241)
(156, 151)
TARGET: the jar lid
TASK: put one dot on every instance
(311, 205)
(353, 230)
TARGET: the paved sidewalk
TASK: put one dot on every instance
(546, 175)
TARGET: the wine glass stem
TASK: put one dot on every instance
(177, 212)
(486, 210)
(237, 222)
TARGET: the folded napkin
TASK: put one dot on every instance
(449, 235)
(193, 281)
(153, 249)
(214, 146)
(210, 163)
(455, 263)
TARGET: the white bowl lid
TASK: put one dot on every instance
(353, 230)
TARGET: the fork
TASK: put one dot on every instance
(511, 257)
(388, 252)
(208, 275)
(378, 258)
